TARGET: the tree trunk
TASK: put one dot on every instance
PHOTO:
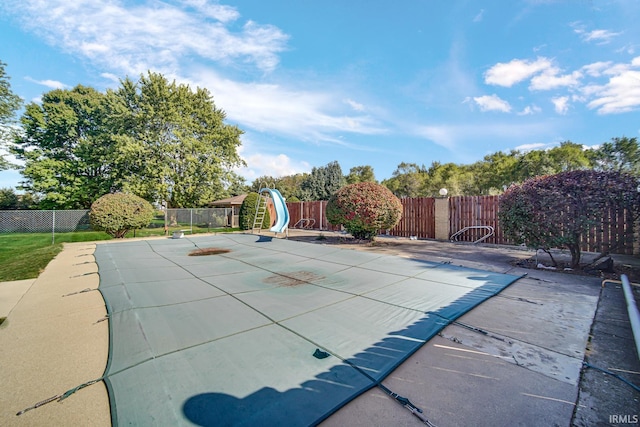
(575, 255)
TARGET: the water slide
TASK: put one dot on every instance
(282, 213)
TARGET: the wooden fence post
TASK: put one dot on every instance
(636, 237)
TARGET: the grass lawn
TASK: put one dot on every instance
(25, 255)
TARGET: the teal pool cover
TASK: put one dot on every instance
(265, 331)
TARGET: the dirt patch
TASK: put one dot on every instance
(333, 239)
(632, 272)
(208, 251)
(294, 278)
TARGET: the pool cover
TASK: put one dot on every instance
(265, 331)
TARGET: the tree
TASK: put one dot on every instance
(360, 174)
(173, 143)
(407, 180)
(497, 171)
(448, 175)
(621, 154)
(569, 156)
(9, 104)
(247, 214)
(8, 199)
(118, 213)
(555, 211)
(68, 148)
(323, 182)
(364, 209)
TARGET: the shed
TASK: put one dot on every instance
(233, 204)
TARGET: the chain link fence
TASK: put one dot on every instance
(64, 221)
(205, 218)
(28, 221)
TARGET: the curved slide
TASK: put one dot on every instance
(282, 213)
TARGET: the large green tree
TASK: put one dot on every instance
(620, 154)
(407, 180)
(67, 147)
(360, 174)
(173, 144)
(9, 104)
(322, 182)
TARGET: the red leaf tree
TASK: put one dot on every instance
(364, 209)
(555, 211)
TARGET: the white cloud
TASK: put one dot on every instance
(355, 105)
(271, 165)
(443, 135)
(596, 69)
(620, 95)
(492, 103)
(301, 114)
(453, 135)
(598, 36)
(561, 104)
(52, 84)
(158, 35)
(549, 79)
(479, 16)
(529, 110)
(219, 12)
(111, 77)
(532, 146)
(509, 73)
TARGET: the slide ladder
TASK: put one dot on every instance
(261, 211)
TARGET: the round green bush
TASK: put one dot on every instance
(118, 213)
(364, 209)
(248, 213)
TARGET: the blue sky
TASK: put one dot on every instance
(361, 82)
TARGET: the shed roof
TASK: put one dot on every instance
(231, 201)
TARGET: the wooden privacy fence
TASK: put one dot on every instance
(418, 218)
(309, 215)
(469, 211)
(616, 232)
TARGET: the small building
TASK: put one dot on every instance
(233, 204)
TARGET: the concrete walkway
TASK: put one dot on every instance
(11, 293)
(514, 360)
(51, 343)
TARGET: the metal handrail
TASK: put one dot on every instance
(310, 222)
(632, 310)
(490, 232)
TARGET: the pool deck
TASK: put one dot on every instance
(517, 359)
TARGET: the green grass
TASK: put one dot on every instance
(25, 255)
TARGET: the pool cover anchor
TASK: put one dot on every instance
(60, 397)
(417, 412)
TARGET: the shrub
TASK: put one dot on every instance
(364, 209)
(555, 211)
(248, 213)
(118, 213)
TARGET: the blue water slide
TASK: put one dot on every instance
(282, 213)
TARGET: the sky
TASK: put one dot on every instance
(363, 82)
